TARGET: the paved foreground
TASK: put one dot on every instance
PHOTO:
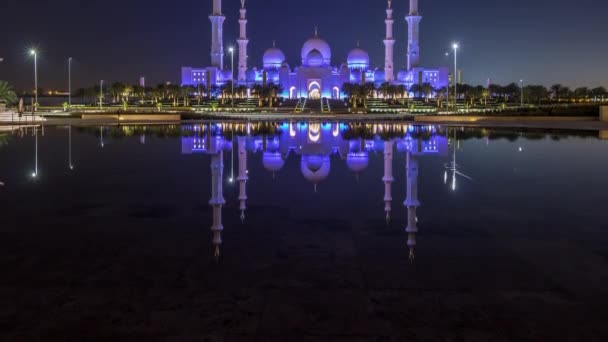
(99, 272)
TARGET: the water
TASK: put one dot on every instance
(113, 235)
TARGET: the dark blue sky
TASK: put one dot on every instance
(538, 40)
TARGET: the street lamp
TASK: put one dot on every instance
(35, 54)
(521, 87)
(101, 95)
(232, 74)
(447, 89)
(455, 47)
(70, 81)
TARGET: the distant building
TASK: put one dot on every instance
(315, 77)
(142, 81)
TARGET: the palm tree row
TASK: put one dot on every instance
(537, 94)
(173, 93)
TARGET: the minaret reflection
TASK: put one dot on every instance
(388, 178)
(411, 201)
(243, 176)
(208, 140)
(419, 141)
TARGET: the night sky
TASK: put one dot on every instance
(541, 41)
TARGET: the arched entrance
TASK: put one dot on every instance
(336, 93)
(292, 93)
(314, 90)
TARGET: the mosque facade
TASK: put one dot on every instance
(315, 77)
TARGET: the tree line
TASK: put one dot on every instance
(177, 95)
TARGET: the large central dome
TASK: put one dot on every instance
(316, 43)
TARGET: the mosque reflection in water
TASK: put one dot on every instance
(314, 144)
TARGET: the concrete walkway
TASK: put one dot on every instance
(572, 123)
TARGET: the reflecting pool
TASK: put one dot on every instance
(303, 231)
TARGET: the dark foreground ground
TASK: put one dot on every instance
(100, 273)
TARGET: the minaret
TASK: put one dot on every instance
(389, 43)
(217, 193)
(243, 178)
(413, 46)
(388, 178)
(411, 201)
(243, 41)
(217, 35)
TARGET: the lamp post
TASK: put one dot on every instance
(455, 47)
(232, 75)
(521, 87)
(101, 95)
(447, 89)
(70, 81)
(35, 54)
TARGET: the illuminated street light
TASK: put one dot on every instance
(231, 50)
(521, 87)
(70, 81)
(455, 47)
(35, 54)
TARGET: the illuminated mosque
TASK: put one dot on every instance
(315, 144)
(316, 77)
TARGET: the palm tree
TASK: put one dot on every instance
(140, 92)
(272, 92)
(185, 92)
(127, 92)
(485, 93)
(7, 93)
(369, 89)
(495, 90)
(92, 93)
(566, 93)
(416, 89)
(536, 93)
(257, 91)
(242, 91)
(581, 93)
(354, 92)
(556, 91)
(214, 91)
(116, 90)
(511, 91)
(400, 90)
(226, 89)
(427, 89)
(200, 92)
(599, 93)
(441, 96)
(385, 89)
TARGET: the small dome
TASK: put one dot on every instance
(358, 58)
(273, 58)
(273, 161)
(315, 168)
(357, 162)
(314, 59)
(316, 43)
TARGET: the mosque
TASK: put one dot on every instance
(315, 77)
